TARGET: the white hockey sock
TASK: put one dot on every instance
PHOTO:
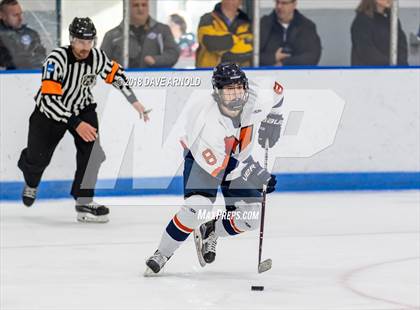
(183, 223)
(224, 228)
(168, 245)
(246, 218)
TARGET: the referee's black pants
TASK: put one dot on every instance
(43, 138)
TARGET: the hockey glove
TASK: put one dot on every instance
(270, 130)
(257, 176)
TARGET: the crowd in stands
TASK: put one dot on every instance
(287, 37)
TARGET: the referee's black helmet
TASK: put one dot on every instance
(82, 28)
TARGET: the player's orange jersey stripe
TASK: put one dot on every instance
(245, 137)
(51, 88)
(179, 224)
(223, 166)
(110, 77)
(230, 144)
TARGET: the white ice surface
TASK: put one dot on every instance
(354, 251)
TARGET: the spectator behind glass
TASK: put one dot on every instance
(152, 44)
(5, 58)
(370, 35)
(186, 41)
(23, 42)
(224, 35)
(288, 38)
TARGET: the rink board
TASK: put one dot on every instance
(285, 183)
(375, 147)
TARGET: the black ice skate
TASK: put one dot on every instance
(155, 263)
(29, 195)
(92, 213)
(205, 243)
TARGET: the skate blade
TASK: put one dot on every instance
(84, 217)
(265, 265)
(148, 273)
(198, 246)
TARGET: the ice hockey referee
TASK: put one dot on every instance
(65, 102)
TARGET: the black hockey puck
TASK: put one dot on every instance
(257, 288)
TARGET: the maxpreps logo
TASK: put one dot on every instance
(311, 120)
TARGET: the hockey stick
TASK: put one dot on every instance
(265, 265)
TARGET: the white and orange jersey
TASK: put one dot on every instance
(214, 139)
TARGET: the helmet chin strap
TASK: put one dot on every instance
(235, 104)
(232, 114)
(227, 110)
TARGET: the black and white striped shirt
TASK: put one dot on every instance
(67, 83)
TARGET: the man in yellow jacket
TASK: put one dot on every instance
(224, 35)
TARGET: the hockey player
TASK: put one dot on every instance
(64, 103)
(219, 138)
